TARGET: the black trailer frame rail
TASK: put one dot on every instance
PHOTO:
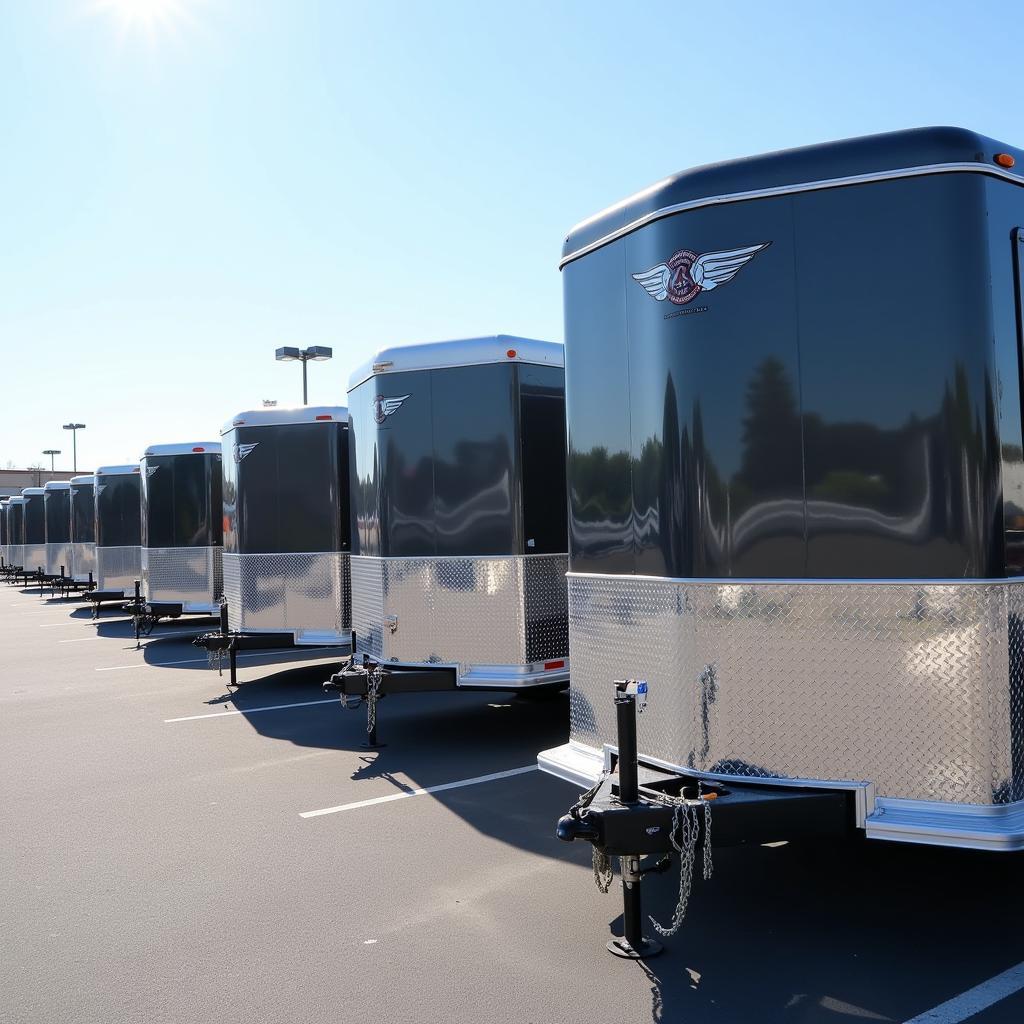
(634, 811)
(368, 682)
(224, 640)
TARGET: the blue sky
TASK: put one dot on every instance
(185, 193)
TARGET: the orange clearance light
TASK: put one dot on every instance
(549, 665)
(1004, 160)
(323, 416)
(199, 449)
(511, 353)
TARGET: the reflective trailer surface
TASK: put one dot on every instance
(814, 415)
(57, 505)
(119, 511)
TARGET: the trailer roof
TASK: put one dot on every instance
(132, 467)
(185, 448)
(434, 355)
(16, 499)
(275, 416)
(88, 478)
(57, 485)
(31, 490)
(829, 165)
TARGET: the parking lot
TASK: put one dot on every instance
(159, 863)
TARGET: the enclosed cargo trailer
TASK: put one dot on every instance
(182, 529)
(118, 494)
(83, 528)
(286, 531)
(5, 543)
(57, 508)
(16, 532)
(795, 462)
(35, 531)
(457, 469)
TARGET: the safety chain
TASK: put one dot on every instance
(599, 859)
(215, 659)
(372, 688)
(686, 825)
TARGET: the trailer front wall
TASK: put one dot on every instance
(83, 531)
(286, 530)
(16, 524)
(57, 505)
(118, 531)
(458, 521)
(846, 408)
(182, 529)
(35, 532)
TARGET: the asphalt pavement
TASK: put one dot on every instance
(158, 862)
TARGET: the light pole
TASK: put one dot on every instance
(51, 452)
(317, 353)
(74, 428)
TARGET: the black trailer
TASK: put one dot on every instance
(457, 469)
(57, 508)
(182, 531)
(118, 494)
(83, 528)
(16, 534)
(5, 541)
(34, 558)
(794, 411)
(286, 532)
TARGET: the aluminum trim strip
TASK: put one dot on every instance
(784, 190)
(751, 581)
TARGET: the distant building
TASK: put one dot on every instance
(12, 481)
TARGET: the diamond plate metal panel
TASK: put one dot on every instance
(915, 687)
(117, 568)
(83, 560)
(34, 557)
(192, 577)
(57, 555)
(306, 594)
(505, 612)
(16, 554)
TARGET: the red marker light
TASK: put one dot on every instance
(323, 417)
(549, 665)
(1004, 160)
(511, 353)
(199, 449)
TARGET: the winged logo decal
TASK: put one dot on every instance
(385, 407)
(687, 273)
(150, 470)
(240, 451)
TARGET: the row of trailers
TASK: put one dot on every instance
(794, 490)
(421, 530)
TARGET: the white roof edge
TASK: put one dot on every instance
(16, 499)
(86, 478)
(132, 467)
(31, 490)
(57, 485)
(278, 415)
(184, 448)
(435, 355)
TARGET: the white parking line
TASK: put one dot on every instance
(198, 661)
(974, 1000)
(79, 639)
(70, 622)
(420, 792)
(253, 711)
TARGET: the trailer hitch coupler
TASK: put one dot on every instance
(570, 828)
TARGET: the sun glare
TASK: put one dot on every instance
(146, 17)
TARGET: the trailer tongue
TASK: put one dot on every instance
(636, 811)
